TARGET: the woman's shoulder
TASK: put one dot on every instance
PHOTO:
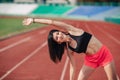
(76, 32)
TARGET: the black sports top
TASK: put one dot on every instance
(82, 42)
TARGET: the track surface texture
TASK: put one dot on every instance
(26, 57)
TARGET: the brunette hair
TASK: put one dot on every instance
(56, 50)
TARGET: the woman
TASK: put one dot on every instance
(78, 41)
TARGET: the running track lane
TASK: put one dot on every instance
(39, 66)
(16, 55)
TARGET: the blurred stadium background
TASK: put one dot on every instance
(97, 10)
(104, 14)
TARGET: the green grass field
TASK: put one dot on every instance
(13, 26)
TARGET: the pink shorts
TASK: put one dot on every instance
(101, 58)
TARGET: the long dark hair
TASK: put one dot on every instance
(56, 50)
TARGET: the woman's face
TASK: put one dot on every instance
(59, 37)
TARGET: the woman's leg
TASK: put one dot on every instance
(85, 72)
(110, 71)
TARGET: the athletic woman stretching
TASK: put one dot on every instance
(77, 40)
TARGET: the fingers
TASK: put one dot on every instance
(27, 21)
(24, 22)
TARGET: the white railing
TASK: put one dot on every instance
(22, 1)
(56, 2)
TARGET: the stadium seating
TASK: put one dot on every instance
(53, 10)
(56, 2)
(106, 13)
(114, 19)
(23, 1)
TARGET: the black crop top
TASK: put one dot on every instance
(82, 42)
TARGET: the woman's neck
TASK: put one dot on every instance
(69, 39)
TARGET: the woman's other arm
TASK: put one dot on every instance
(72, 64)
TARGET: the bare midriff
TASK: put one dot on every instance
(93, 46)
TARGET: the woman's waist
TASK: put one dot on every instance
(93, 47)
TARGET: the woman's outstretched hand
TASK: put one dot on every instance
(27, 21)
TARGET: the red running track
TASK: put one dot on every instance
(25, 57)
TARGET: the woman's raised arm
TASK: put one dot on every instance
(58, 24)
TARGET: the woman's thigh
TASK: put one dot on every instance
(85, 72)
(110, 71)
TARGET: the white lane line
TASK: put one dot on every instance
(42, 31)
(104, 32)
(64, 69)
(109, 35)
(86, 25)
(15, 44)
(23, 61)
